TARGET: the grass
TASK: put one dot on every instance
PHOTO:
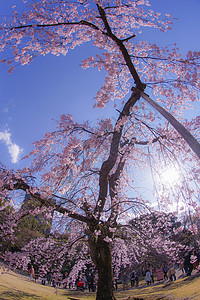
(182, 289)
(17, 287)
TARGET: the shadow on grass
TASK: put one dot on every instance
(77, 295)
(17, 295)
(192, 277)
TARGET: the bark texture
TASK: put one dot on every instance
(102, 258)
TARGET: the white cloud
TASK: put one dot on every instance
(13, 149)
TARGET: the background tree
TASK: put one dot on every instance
(6, 231)
(31, 226)
(154, 238)
(17, 232)
(164, 236)
(86, 171)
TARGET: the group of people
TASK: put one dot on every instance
(149, 273)
(133, 277)
(53, 280)
(165, 271)
(83, 282)
(190, 262)
(88, 282)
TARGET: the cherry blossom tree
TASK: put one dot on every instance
(87, 173)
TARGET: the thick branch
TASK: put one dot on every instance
(114, 151)
(123, 49)
(21, 185)
(82, 22)
(113, 184)
(188, 137)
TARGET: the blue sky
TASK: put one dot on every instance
(35, 95)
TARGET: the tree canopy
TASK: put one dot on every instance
(86, 172)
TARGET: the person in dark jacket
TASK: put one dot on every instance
(136, 279)
(133, 279)
(125, 279)
(188, 266)
(90, 281)
(165, 270)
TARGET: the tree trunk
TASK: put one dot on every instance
(101, 256)
(105, 273)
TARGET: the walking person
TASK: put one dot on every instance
(31, 272)
(85, 282)
(49, 278)
(151, 269)
(133, 279)
(172, 273)
(196, 259)
(148, 277)
(188, 266)
(165, 270)
(90, 280)
(125, 279)
(54, 280)
(160, 274)
(136, 279)
(44, 280)
(115, 284)
(181, 265)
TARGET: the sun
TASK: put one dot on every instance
(170, 176)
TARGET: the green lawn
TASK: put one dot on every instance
(17, 287)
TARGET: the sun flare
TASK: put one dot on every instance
(170, 176)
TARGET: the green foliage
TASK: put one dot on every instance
(28, 227)
(5, 212)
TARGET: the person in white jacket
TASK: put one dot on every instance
(148, 277)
